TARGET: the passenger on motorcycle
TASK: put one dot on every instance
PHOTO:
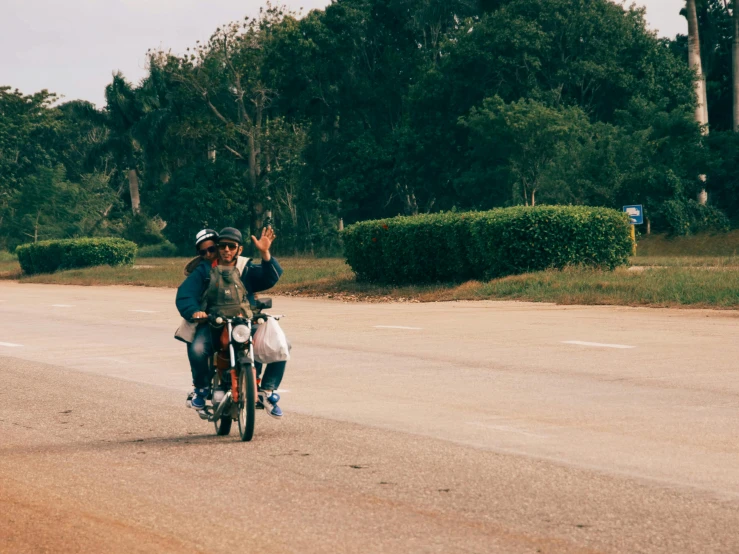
(195, 298)
(206, 246)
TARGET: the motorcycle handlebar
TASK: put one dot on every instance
(220, 320)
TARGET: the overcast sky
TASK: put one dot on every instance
(72, 47)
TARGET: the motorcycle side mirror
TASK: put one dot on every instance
(263, 303)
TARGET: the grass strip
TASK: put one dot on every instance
(705, 282)
(705, 244)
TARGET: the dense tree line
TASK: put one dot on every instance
(373, 108)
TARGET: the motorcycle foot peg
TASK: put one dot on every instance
(203, 414)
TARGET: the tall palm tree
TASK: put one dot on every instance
(694, 60)
(155, 118)
(123, 112)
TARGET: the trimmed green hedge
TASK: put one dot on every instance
(483, 245)
(163, 250)
(51, 255)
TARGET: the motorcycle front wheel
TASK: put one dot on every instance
(223, 425)
(247, 402)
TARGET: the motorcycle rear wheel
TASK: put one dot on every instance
(247, 402)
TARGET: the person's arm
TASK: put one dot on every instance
(190, 292)
(263, 276)
(266, 275)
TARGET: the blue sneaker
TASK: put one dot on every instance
(198, 401)
(269, 400)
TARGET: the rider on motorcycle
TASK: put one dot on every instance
(195, 298)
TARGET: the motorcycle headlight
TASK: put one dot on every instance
(240, 334)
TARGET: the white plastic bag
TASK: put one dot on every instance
(270, 343)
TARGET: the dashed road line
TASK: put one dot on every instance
(10, 344)
(597, 344)
(62, 306)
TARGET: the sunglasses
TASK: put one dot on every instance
(227, 245)
(209, 250)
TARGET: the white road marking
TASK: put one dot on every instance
(144, 311)
(10, 344)
(397, 327)
(597, 344)
(62, 306)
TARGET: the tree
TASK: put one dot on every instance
(533, 136)
(226, 73)
(122, 113)
(28, 128)
(694, 60)
(373, 108)
(735, 67)
(50, 206)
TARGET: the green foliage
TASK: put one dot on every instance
(723, 171)
(52, 255)
(143, 230)
(372, 108)
(49, 206)
(206, 194)
(529, 135)
(163, 250)
(483, 245)
(715, 30)
(679, 217)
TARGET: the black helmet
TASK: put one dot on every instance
(205, 234)
(231, 233)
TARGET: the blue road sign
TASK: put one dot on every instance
(635, 213)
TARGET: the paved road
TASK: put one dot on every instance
(466, 427)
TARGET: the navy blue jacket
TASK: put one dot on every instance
(256, 278)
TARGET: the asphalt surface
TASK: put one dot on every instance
(465, 427)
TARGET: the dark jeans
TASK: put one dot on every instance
(200, 353)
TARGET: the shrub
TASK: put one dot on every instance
(51, 255)
(143, 230)
(484, 245)
(687, 217)
(164, 250)
(706, 218)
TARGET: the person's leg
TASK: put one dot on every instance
(273, 374)
(191, 394)
(271, 380)
(199, 352)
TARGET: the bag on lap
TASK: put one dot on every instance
(270, 343)
(186, 331)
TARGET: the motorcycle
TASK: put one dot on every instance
(234, 381)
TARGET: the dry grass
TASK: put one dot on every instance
(658, 287)
(685, 281)
(686, 261)
(693, 287)
(721, 245)
(169, 272)
(9, 268)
